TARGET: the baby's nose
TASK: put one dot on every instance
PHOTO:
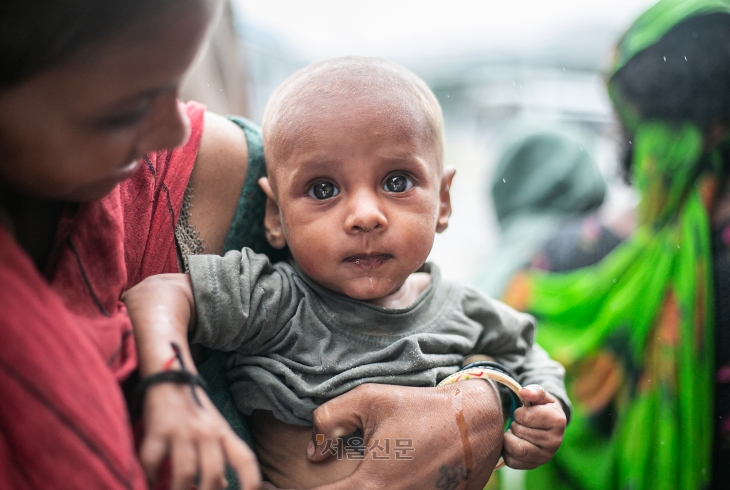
(366, 216)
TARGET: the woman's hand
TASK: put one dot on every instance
(537, 431)
(455, 432)
(197, 437)
(198, 440)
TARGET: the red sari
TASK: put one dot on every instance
(65, 339)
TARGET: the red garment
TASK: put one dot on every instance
(65, 345)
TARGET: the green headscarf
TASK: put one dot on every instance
(635, 331)
(542, 179)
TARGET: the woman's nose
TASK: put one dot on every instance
(169, 126)
(365, 214)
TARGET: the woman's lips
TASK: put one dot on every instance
(368, 261)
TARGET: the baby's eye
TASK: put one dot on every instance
(323, 190)
(397, 183)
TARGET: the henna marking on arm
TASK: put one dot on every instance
(451, 478)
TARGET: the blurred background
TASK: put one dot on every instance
(500, 69)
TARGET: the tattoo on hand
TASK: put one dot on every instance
(451, 478)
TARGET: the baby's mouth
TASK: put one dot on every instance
(368, 261)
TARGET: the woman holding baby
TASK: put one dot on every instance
(96, 155)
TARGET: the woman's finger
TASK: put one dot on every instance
(184, 460)
(351, 482)
(242, 459)
(212, 465)
(336, 419)
(151, 454)
(268, 486)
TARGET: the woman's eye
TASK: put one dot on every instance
(323, 190)
(397, 183)
(121, 121)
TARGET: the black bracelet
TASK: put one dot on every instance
(182, 376)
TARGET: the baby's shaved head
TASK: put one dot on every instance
(327, 88)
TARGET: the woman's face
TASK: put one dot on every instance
(75, 130)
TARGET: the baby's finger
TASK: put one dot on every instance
(151, 454)
(242, 459)
(536, 395)
(520, 454)
(548, 440)
(184, 459)
(212, 465)
(543, 417)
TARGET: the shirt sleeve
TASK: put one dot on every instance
(509, 337)
(242, 302)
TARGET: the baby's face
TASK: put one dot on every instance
(360, 196)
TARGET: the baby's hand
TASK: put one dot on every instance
(537, 431)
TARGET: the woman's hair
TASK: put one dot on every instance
(35, 34)
(685, 77)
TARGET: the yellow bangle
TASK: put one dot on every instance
(486, 373)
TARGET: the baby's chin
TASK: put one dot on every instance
(369, 289)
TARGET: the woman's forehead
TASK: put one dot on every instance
(145, 58)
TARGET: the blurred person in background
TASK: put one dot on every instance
(218, 78)
(645, 332)
(542, 180)
(96, 157)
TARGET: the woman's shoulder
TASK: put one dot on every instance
(217, 180)
(56, 384)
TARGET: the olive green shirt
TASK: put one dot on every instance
(297, 344)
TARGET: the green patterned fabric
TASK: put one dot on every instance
(542, 179)
(247, 230)
(635, 331)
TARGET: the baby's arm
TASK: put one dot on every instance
(537, 431)
(508, 337)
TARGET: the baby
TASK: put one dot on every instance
(357, 191)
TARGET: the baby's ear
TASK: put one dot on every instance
(272, 217)
(445, 199)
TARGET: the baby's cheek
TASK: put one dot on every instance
(316, 254)
(418, 235)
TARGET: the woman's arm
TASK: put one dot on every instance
(195, 435)
(455, 432)
(162, 311)
(198, 440)
(217, 180)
